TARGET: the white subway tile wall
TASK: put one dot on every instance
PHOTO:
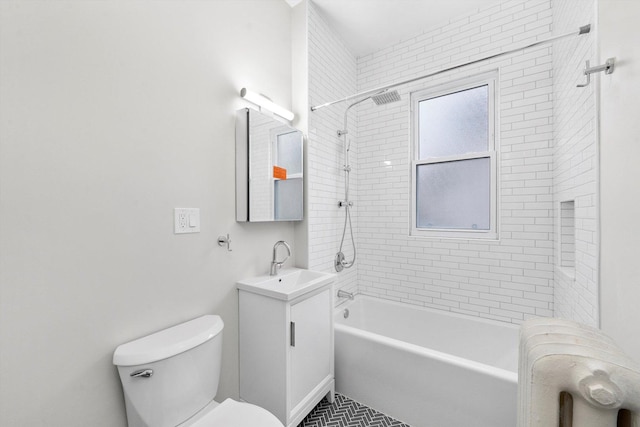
(332, 75)
(510, 279)
(576, 161)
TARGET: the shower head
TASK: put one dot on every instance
(380, 98)
(386, 97)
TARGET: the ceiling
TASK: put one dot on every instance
(370, 25)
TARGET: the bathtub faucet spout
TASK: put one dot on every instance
(345, 294)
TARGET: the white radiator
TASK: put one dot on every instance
(560, 360)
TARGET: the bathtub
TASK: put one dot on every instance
(427, 368)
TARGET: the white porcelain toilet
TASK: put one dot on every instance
(171, 377)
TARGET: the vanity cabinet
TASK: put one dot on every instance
(286, 351)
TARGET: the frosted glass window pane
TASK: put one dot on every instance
(453, 124)
(290, 152)
(288, 199)
(454, 195)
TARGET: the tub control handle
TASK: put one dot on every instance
(142, 373)
(293, 334)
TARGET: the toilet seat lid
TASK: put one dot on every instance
(231, 413)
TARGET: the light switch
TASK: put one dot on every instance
(194, 219)
(186, 220)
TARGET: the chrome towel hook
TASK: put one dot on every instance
(608, 68)
(222, 240)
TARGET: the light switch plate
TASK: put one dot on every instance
(186, 220)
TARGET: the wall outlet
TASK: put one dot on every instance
(186, 220)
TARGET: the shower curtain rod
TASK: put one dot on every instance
(582, 30)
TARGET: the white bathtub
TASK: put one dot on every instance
(427, 368)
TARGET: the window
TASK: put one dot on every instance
(453, 168)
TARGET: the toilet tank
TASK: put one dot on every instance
(178, 372)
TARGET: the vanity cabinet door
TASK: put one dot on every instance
(311, 354)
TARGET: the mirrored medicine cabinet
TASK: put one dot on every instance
(269, 171)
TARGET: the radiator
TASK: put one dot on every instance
(574, 375)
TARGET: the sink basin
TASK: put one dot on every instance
(289, 284)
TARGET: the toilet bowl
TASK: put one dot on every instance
(170, 379)
(231, 413)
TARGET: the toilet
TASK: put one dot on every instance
(170, 378)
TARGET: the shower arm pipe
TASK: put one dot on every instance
(345, 148)
(585, 29)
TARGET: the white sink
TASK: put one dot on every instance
(289, 284)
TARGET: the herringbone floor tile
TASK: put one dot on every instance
(345, 412)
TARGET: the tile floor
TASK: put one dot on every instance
(345, 412)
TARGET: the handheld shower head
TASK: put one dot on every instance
(386, 97)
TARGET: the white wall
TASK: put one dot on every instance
(508, 279)
(112, 114)
(332, 75)
(575, 162)
(619, 173)
(300, 103)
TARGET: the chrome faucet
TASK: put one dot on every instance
(345, 294)
(276, 265)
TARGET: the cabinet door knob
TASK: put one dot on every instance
(292, 329)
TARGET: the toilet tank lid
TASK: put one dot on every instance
(168, 342)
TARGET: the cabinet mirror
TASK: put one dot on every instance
(269, 159)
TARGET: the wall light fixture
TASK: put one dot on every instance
(264, 102)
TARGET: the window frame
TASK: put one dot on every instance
(489, 79)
